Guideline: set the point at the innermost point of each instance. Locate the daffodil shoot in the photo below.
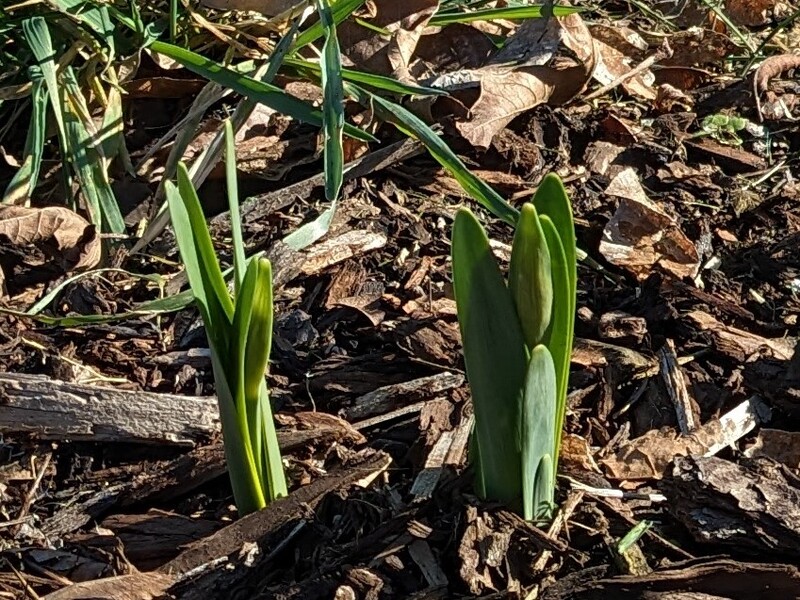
(517, 337)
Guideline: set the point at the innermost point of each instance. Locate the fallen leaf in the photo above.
(750, 13)
(137, 586)
(64, 236)
(776, 106)
(671, 99)
(613, 64)
(576, 454)
(457, 46)
(641, 236)
(545, 61)
(373, 51)
(697, 46)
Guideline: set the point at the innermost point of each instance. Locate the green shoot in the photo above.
(517, 341)
(239, 331)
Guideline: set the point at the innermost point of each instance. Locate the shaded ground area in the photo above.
(682, 164)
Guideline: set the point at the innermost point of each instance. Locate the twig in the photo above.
(31, 495)
(663, 52)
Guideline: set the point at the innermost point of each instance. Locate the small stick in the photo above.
(31, 495)
(663, 52)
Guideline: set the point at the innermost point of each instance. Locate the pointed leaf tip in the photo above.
(530, 279)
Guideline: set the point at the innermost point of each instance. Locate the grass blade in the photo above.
(510, 13)
(269, 95)
(341, 10)
(332, 104)
(333, 121)
(23, 183)
(37, 35)
(84, 147)
(495, 357)
(414, 127)
(231, 181)
(380, 82)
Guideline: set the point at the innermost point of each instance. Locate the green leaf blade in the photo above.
(551, 200)
(413, 126)
(558, 338)
(495, 357)
(269, 95)
(538, 416)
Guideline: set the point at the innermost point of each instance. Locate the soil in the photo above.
(684, 403)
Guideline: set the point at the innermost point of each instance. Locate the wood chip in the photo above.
(386, 398)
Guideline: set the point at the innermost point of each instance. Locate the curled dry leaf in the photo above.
(671, 99)
(775, 108)
(641, 236)
(372, 51)
(61, 234)
(545, 61)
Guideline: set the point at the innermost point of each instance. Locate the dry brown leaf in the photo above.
(697, 46)
(613, 64)
(377, 53)
(772, 67)
(750, 13)
(138, 586)
(682, 78)
(777, 107)
(670, 99)
(624, 39)
(444, 49)
(545, 61)
(576, 454)
(600, 156)
(61, 234)
(641, 236)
